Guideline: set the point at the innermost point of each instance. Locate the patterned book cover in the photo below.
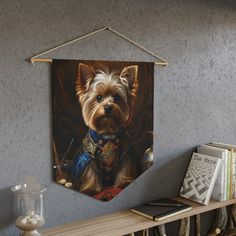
(220, 188)
(200, 178)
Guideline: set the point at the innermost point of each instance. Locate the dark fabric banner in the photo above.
(102, 117)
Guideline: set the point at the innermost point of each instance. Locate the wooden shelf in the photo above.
(125, 222)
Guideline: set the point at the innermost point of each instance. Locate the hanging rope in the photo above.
(36, 59)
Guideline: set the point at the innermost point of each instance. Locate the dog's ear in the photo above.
(85, 75)
(130, 73)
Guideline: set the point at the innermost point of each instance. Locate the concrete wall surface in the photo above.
(195, 99)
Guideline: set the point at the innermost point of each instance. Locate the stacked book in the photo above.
(211, 173)
(161, 209)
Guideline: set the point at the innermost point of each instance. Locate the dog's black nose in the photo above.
(107, 109)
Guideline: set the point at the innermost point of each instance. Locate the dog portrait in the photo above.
(102, 117)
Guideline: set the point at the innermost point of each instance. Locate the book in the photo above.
(231, 180)
(200, 178)
(220, 187)
(161, 209)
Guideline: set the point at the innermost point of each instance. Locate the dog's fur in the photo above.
(107, 100)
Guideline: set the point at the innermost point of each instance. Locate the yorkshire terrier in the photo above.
(107, 101)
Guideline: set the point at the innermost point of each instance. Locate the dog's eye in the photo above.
(116, 98)
(99, 98)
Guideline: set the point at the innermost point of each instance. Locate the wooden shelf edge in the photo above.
(125, 222)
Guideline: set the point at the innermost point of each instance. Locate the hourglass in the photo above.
(29, 214)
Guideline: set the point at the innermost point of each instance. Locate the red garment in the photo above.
(108, 193)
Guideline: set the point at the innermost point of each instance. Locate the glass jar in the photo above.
(28, 204)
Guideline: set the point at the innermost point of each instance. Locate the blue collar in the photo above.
(96, 137)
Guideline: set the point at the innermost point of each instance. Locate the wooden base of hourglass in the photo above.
(31, 233)
(29, 228)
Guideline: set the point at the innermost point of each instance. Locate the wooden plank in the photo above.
(125, 222)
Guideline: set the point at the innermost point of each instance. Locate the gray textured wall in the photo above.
(195, 97)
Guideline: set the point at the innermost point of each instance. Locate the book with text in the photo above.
(220, 187)
(200, 178)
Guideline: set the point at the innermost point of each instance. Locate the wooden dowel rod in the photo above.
(32, 60)
(161, 63)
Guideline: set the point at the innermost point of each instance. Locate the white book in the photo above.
(232, 172)
(223, 145)
(220, 189)
(200, 178)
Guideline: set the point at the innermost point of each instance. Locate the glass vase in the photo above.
(28, 205)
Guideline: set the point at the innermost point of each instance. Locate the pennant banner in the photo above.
(102, 115)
